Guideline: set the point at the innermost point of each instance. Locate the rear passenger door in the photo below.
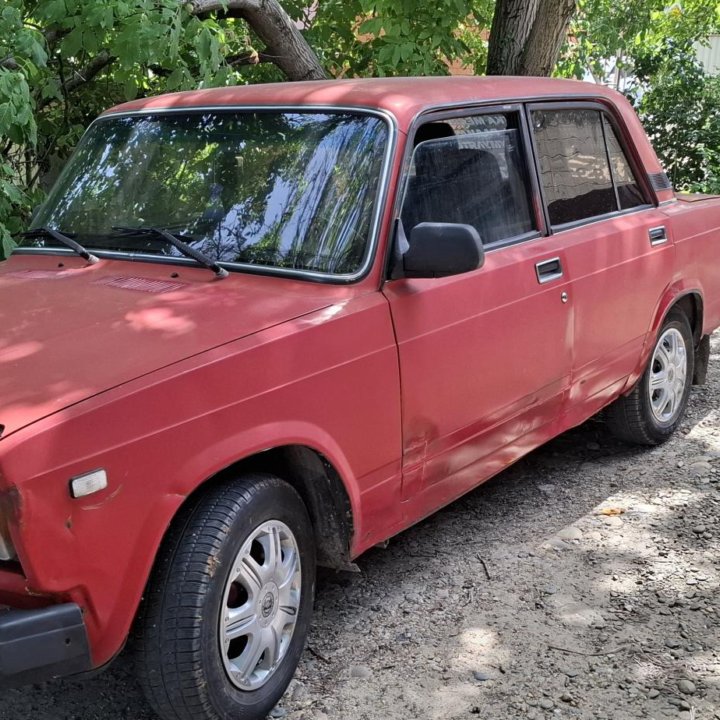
(484, 357)
(617, 248)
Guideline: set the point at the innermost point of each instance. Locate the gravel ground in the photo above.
(581, 583)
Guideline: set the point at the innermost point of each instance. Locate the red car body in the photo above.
(412, 391)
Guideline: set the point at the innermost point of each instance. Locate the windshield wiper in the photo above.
(176, 242)
(63, 240)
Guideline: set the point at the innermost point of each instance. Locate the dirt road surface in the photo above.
(580, 583)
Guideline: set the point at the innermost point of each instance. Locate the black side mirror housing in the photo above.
(442, 249)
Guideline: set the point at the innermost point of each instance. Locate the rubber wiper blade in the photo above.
(176, 242)
(63, 240)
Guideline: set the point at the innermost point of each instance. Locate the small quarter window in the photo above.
(470, 170)
(629, 193)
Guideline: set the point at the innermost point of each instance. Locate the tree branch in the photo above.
(254, 57)
(284, 43)
(80, 77)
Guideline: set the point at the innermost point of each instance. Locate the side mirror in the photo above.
(442, 249)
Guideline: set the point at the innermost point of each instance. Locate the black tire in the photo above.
(631, 418)
(179, 660)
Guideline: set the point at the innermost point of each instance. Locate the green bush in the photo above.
(679, 105)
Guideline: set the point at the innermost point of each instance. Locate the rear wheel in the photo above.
(653, 410)
(227, 611)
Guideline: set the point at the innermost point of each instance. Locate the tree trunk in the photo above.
(511, 26)
(546, 37)
(284, 43)
(526, 36)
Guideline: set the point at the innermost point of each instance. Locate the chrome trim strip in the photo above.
(378, 212)
(599, 218)
(511, 100)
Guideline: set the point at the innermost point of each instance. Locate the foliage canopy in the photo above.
(64, 61)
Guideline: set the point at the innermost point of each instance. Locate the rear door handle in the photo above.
(658, 235)
(548, 270)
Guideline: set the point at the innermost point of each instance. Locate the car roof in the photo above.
(403, 97)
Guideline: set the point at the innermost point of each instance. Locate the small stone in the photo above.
(654, 692)
(700, 468)
(360, 671)
(278, 712)
(481, 676)
(550, 590)
(570, 533)
(546, 703)
(570, 672)
(566, 697)
(612, 521)
(672, 643)
(556, 543)
(699, 529)
(686, 687)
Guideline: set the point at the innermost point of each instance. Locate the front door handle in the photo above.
(658, 235)
(548, 270)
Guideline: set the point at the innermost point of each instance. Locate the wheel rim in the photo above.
(668, 375)
(260, 605)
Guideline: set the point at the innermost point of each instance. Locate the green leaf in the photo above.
(8, 244)
(73, 42)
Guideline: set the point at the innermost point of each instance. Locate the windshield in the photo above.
(278, 189)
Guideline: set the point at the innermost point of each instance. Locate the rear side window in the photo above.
(583, 170)
(470, 170)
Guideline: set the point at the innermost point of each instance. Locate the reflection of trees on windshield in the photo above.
(291, 190)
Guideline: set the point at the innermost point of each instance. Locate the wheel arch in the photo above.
(320, 486)
(685, 296)
(691, 304)
(317, 481)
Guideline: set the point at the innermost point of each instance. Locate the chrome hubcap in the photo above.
(260, 605)
(668, 375)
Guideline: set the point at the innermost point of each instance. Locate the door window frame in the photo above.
(534, 195)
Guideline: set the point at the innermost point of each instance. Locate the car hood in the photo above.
(71, 330)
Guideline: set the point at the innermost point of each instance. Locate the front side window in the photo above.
(470, 170)
(583, 170)
(278, 189)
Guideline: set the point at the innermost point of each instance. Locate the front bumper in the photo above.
(37, 645)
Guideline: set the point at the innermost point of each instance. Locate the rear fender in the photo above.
(685, 288)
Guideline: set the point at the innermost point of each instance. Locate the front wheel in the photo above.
(226, 614)
(653, 410)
